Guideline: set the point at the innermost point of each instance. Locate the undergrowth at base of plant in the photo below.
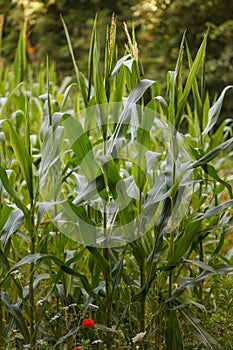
(170, 287)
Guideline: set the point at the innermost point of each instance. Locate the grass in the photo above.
(148, 180)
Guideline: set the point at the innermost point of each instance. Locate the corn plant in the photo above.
(115, 201)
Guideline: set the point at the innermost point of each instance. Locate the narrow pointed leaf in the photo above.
(79, 76)
(22, 156)
(173, 332)
(5, 181)
(18, 317)
(203, 336)
(212, 154)
(119, 64)
(215, 111)
(33, 258)
(190, 80)
(93, 188)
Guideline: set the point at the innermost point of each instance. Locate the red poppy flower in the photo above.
(88, 322)
(77, 348)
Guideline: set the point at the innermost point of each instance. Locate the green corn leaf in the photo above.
(20, 61)
(99, 88)
(4, 213)
(18, 317)
(93, 188)
(195, 90)
(174, 84)
(215, 111)
(139, 172)
(66, 94)
(133, 97)
(163, 103)
(95, 74)
(72, 332)
(139, 90)
(200, 264)
(183, 244)
(5, 182)
(22, 156)
(196, 281)
(143, 131)
(91, 60)
(138, 251)
(101, 261)
(4, 261)
(117, 188)
(209, 169)
(28, 259)
(79, 76)
(118, 93)
(117, 273)
(13, 223)
(216, 210)
(11, 97)
(203, 336)
(190, 80)
(83, 280)
(37, 257)
(212, 154)
(81, 146)
(173, 332)
(119, 64)
(129, 64)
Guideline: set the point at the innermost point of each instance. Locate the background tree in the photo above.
(159, 26)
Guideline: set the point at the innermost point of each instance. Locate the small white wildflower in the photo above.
(97, 341)
(93, 306)
(54, 318)
(138, 337)
(17, 274)
(73, 305)
(40, 302)
(64, 308)
(42, 342)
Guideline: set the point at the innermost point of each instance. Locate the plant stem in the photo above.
(201, 257)
(31, 288)
(1, 323)
(108, 303)
(172, 233)
(142, 272)
(143, 301)
(108, 291)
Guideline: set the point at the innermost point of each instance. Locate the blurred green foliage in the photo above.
(159, 26)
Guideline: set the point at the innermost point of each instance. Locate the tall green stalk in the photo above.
(1, 60)
(172, 233)
(142, 275)
(1, 322)
(108, 301)
(32, 233)
(31, 288)
(107, 276)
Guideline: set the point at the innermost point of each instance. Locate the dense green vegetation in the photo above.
(164, 286)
